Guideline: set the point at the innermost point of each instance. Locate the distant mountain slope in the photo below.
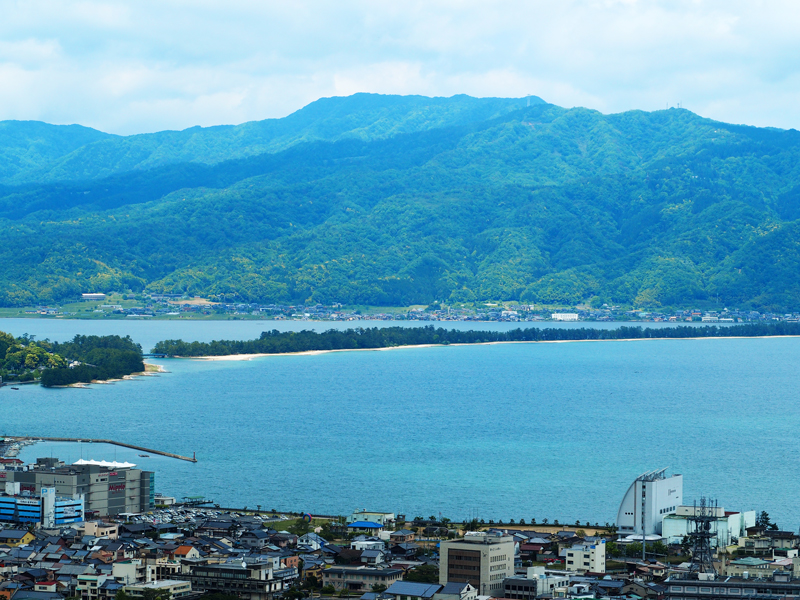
(362, 116)
(386, 200)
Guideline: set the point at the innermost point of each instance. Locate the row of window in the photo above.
(666, 510)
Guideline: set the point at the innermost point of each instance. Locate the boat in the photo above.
(14, 388)
(145, 455)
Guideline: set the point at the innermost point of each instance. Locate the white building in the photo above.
(726, 524)
(383, 518)
(587, 557)
(564, 316)
(651, 497)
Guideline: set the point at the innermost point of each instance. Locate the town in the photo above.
(98, 530)
(99, 305)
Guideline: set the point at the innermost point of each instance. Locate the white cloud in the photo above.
(129, 67)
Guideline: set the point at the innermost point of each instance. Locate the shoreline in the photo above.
(246, 357)
(150, 370)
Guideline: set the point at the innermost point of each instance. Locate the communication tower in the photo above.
(700, 538)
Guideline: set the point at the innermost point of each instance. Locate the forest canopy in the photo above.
(388, 200)
(277, 342)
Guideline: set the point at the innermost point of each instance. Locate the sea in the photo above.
(494, 432)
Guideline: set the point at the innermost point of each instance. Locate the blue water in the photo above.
(553, 431)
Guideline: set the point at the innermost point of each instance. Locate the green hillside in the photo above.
(397, 200)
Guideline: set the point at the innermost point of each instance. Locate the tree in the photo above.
(378, 588)
(423, 574)
(580, 533)
(764, 521)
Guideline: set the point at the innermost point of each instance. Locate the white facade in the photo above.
(725, 526)
(383, 518)
(589, 557)
(651, 497)
(564, 316)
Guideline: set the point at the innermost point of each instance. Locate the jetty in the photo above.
(192, 459)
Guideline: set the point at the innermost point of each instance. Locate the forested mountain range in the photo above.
(394, 200)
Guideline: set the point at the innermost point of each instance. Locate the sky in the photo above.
(141, 66)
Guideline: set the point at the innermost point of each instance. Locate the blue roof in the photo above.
(412, 588)
(365, 525)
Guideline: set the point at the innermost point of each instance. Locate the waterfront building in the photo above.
(45, 509)
(564, 316)
(651, 497)
(383, 518)
(107, 490)
(482, 559)
(725, 525)
(584, 558)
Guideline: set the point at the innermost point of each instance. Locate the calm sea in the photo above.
(553, 431)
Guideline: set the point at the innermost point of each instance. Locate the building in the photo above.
(727, 525)
(564, 316)
(359, 579)
(172, 588)
(93, 296)
(587, 558)
(537, 582)
(257, 581)
(779, 585)
(107, 489)
(45, 509)
(15, 537)
(383, 518)
(482, 559)
(651, 497)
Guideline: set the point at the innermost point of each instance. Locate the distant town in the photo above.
(98, 530)
(96, 305)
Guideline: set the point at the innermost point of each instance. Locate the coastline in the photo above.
(150, 370)
(243, 357)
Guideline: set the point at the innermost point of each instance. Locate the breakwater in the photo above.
(191, 459)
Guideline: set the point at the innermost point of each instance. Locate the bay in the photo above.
(553, 431)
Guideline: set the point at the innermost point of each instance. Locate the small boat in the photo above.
(14, 388)
(145, 455)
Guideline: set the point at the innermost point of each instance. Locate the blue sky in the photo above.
(132, 67)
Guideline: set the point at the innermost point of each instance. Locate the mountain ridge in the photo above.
(408, 201)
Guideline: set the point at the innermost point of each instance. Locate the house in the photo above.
(370, 527)
(15, 537)
(256, 538)
(409, 590)
(383, 518)
(456, 591)
(312, 540)
(359, 579)
(402, 536)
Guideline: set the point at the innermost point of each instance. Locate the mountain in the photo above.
(392, 200)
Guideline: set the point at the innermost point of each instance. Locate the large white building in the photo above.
(651, 497)
(726, 524)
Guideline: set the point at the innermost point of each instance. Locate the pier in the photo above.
(191, 459)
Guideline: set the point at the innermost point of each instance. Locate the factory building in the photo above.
(726, 526)
(107, 490)
(651, 497)
(46, 508)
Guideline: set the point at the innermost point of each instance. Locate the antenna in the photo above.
(702, 562)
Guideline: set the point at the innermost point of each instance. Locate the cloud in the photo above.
(130, 67)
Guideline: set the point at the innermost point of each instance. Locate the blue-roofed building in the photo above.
(412, 590)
